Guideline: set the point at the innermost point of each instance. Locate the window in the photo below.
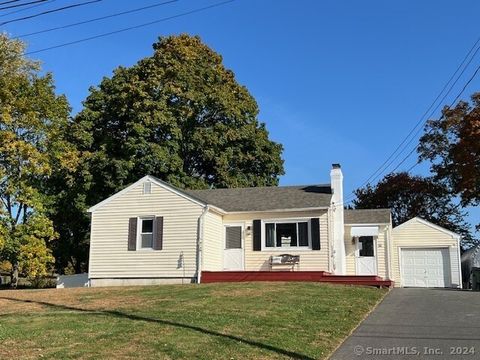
(286, 234)
(147, 188)
(146, 233)
(366, 246)
(233, 237)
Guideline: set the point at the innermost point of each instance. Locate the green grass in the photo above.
(214, 321)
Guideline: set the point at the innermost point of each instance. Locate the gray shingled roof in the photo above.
(367, 216)
(266, 198)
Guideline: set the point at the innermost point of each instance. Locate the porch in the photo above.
(304, 276)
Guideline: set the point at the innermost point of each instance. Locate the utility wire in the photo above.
(472, 77)
(387, 162)
(452, 103)
(27, 8)
(9, 2)
(50, 11)
(24, 4)
(422, 119)
(97, 19)
(130, 28)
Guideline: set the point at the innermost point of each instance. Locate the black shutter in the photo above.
(257, 235)
(315, 231)
(158, 241)
(132, 234)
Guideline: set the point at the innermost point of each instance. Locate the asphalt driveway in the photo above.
(418, 324)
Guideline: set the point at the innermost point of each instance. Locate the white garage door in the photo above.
(426, 267)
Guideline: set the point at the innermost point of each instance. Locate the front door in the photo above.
(233, 252)
(365, 256)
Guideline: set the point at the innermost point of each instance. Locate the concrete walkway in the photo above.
(418, 324)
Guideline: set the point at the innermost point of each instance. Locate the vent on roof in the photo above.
(147, 187)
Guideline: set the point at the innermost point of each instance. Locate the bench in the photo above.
(285, 260)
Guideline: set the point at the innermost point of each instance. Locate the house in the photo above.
(153, 233)
(470, 268)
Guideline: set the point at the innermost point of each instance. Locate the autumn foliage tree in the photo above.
(452, 144)
(32, 121)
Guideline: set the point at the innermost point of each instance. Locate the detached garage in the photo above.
(425, 255)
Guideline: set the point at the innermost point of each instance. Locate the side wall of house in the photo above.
(110, 261)
(381, 251)
(419, 235)
(309, 259)
(213, 242)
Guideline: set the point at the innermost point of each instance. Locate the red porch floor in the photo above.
(312, 276)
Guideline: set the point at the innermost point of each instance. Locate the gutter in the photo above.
(201, 227)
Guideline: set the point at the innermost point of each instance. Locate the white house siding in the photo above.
(309, 259)
(213, 242)
(416, 234)
(381, 251)
(110, 261)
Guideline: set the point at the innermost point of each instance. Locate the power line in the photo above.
(130, 28)
(9, 2)
(387, 162)
(97, 19)
(422, 119)
(27, 8)
(19, 5)
(452, 103)
(475, 73)
(50, 11)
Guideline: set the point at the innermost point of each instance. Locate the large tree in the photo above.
(179, 115)
(408, 196)
(32, 121)
(452, 144)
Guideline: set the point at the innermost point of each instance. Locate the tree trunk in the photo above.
(14, 276)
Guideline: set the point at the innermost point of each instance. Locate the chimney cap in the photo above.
(336, 166)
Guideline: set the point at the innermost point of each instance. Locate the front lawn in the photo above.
(210, 321)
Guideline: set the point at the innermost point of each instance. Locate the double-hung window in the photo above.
(287, 234)
(146, 233)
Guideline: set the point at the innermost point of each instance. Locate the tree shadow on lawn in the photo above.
(118, 314)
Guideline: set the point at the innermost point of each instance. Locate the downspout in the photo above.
(90, 251)
(460, 275)
(201, 227)
(387, 249)
(330, 240)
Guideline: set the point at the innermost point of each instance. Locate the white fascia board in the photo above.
(117, 194)
(366, 224)
(143, 179)
(432, 225)
(278, 210)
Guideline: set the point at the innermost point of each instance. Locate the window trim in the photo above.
(286, 221)
(139, 232)
(232, 224)
(357, 250)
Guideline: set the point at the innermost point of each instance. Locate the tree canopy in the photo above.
(32, 121)
(408, 196)
(179, 115)
(452, 144)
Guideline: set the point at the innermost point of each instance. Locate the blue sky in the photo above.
(336, 81)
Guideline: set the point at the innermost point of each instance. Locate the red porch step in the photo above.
(312, 276)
